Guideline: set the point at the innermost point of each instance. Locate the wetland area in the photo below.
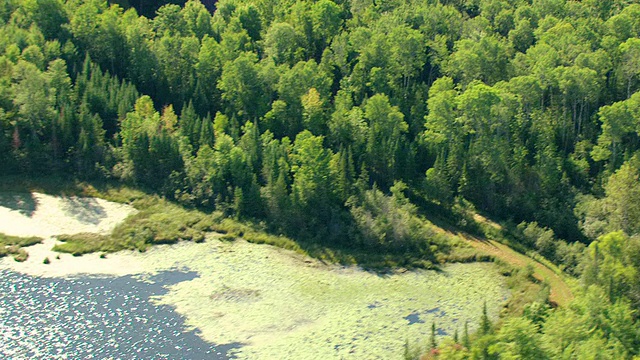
(216, 299)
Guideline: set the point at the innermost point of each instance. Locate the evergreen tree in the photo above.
(432, 339)
(485, 323)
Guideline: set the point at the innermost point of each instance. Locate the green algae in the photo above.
(280, 304)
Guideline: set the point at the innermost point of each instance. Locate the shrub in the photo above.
(19, 241)
(19, 254)
(391, 223)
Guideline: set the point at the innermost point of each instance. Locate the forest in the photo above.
(348, 122)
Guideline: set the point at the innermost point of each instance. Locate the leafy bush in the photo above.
(391, 223)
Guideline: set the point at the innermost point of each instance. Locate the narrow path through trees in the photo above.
(560, 291)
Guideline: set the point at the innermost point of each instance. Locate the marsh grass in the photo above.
(8, 240)
(159, 221)
(13, 245)
(85, 243)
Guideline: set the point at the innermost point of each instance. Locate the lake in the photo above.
(92, 317)
(255, 301)
(216, 299)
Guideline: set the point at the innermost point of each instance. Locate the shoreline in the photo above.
(278, 303)
(46, 216)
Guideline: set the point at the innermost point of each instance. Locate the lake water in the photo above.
(92, 317)
(246, 301)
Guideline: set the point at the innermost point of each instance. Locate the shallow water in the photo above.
(92, 317)
(262, 301)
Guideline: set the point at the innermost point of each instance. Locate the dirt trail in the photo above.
(560, 291)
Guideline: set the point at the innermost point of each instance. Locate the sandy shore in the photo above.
(273, 301)
(35, 214)
(42, 215)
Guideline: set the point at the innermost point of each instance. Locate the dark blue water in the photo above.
(414, 318)
(95, 318)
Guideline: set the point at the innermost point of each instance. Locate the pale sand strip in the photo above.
(275, 302)
(42, 215)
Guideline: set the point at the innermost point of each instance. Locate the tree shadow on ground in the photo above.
(84, 210)
(25, 203)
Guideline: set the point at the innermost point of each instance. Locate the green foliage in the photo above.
(241, 87)
(526, 111)
(13, 245)
(85, 243)
(518, 339)
(410, 352)
(391, 223)
(512, 93)
(157, 222)
(432, 340)
(311, 187)
(610, 263)
(543, 240)
(7, 240)
(618, 209)
(485, 323)
(386, 129)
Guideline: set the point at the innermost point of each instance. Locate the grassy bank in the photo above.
(13, 245)
(160, 221)
(157, 222)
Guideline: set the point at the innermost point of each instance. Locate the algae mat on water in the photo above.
(280, 305)
(276, 303)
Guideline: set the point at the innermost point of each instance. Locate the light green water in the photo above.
(277, 303)
(283, 306)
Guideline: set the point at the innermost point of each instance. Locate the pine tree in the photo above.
(432, 341)
(206, 132)
(485, 323)
(190, 125)
(465, 336)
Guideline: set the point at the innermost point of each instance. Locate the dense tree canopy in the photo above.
(333, 120)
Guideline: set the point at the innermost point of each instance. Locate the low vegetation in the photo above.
(13, 245)
(157, 221)
(7, 240)
(160, 221)
(304, 118)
